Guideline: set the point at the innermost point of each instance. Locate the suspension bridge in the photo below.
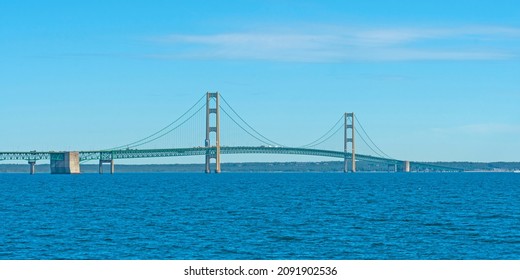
(170, 141)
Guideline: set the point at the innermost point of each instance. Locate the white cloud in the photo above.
(480, 129)
(490, 128)
(336, 44)
(389, 36)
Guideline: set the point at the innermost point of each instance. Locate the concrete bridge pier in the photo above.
(32, 163)
(65, 163)
(406, 166)
(110, 161)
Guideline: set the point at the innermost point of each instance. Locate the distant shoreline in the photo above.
(328, 166)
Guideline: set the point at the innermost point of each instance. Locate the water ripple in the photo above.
(260, 216)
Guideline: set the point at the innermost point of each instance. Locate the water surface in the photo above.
(260, 216)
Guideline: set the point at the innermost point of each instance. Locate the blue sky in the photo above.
(429, 80)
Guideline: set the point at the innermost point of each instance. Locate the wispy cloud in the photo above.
(481, 129)
(490, 128)
(336, 44)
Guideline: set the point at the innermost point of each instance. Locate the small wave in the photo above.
(285, 238)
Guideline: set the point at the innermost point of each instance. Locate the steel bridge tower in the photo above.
(212, 98)
(349, 126)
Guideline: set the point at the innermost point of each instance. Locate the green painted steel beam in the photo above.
(200, 151)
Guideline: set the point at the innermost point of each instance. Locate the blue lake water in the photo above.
(260, 216)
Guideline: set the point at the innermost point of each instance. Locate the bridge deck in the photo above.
(200, 151)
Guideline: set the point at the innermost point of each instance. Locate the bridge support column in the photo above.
(65, 163)
(32, 163)
(110, 161)
(349, 138)
(392, 167)
(215, 151)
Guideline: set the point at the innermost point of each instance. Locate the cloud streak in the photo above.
(338, 44)
(481, 129)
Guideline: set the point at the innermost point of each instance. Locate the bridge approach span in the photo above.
(194, 151)
(111, 155)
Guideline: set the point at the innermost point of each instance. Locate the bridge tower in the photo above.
(212, 125)
(349, 138)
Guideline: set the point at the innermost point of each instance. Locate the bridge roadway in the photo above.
(201, 151)
(195, 151)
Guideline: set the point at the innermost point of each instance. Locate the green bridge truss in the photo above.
(201, 151)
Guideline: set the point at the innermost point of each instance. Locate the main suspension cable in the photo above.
(169, 131)
(360, 125)
(225, 112)
(138, 142)
(325, 140)
(313, 143)
(262, 136)
(368, 145)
